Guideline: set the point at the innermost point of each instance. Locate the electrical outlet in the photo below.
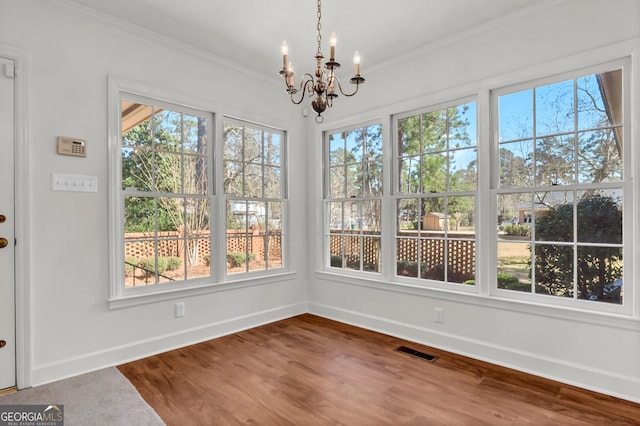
(180, 309)
(438, 315)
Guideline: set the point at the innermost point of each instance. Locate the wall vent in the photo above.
(416, 353)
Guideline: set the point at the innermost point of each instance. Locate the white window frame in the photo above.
(121, 297)
(397, 195)
(283, 200)
(486, 291)
(627, 186)
(327, 200)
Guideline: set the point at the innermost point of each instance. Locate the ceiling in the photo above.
(249, 33)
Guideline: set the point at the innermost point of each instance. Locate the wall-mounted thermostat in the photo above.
(72, 146)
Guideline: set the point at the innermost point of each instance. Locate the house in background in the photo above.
(67, 66)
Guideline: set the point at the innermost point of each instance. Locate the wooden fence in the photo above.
(461, 251)
(141, 245)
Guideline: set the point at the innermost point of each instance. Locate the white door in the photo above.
(7, 220)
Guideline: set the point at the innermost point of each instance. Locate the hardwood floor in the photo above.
(309, 370)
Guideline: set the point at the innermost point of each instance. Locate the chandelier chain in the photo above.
(319, 28)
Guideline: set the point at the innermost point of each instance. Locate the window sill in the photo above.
(143, 298)
(598, 318)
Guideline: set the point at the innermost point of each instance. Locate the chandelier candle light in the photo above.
(323, 84)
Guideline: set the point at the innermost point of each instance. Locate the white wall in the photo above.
(599, 352)
(69, 56)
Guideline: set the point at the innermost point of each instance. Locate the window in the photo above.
(166, 192)
(561, 188)
(254, 189)
(435, 186)
(353, 197)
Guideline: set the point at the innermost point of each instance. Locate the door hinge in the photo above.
(9, 70)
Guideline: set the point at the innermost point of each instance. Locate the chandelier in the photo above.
(323, 83)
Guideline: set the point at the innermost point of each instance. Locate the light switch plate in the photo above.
(74, 183)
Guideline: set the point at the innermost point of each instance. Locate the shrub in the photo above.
(517, 230)
(505, 280)
(129, 265)
(207, 259)
(173, 263)
(401, 267)
(509, 282)
(238, 258)
(148, 263)
(336, 261)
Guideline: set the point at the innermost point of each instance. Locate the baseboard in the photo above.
(601, 381)
(118, 355)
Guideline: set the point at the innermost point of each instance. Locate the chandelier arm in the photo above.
(302, 90)
(340, 87)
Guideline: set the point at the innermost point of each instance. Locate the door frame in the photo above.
(22, 269)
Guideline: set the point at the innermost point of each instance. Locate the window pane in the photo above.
(600, 100)
(196, 216)
(408, 214)
(372, 216)
(233, 179)
(515, 216)
(252, 146)
(272, 182)
(516, 164)
(434, 131)
(600, 156)
(352, 215)
(555, 111)
(371, 253)
(198, 254)
(253, 179)
(355, 146)
(374, 142)
(514, 266)
(352, 252)
(336, 149)
(139, 214)
(195, 134)
(167, 173)
(554, 216)
(409, 136)
(600, 274)
(134, 115)
(461, 217)
(335, 216)
(272, 142)
(515, 112)
(461, 262)
(554, 270)
(462, 126)
(354, 180)
(433, 216)
(432, 259)
(555, 160)
(407, 257)
(372, 179)
(233, 142)
(600, 217)
(337, 182)
(463, 170)
(434, 173)
(195, 174)
(409, 179)
(167, 131)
